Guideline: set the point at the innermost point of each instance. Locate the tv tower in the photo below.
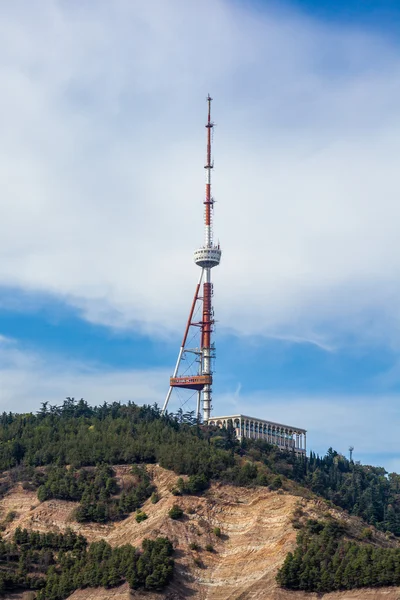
(206, 257)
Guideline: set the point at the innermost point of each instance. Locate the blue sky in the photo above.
(102, 184)
(373, 13)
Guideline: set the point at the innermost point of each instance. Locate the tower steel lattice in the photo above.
(206, 257)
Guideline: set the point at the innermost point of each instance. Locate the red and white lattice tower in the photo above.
(206, 257)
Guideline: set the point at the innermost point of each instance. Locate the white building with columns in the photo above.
(285, 437)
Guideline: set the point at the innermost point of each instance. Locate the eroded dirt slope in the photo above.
(256, 528)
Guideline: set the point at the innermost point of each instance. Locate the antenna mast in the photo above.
(206, 257)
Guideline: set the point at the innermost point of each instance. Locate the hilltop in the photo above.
(244, 506)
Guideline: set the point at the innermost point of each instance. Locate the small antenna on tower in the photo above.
(351, 448)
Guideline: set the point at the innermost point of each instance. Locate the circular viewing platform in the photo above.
(207, 257)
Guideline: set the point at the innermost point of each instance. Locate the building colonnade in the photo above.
(284, 436)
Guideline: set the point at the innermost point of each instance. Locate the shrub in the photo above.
(314, 526)
(209, 548)
(43, 493)
(141, 516)
(262, 479)
(198, 562)
(335, 528)
(298, 512)
(366, 533)
(217, 531)
(176, 492)
(175, 512)
(180, 484)
(194, 546)
(28, 486)
(196, 484)
(203, 523)
(11, 515)
(390, 535)
(276, 483)
(154, 498)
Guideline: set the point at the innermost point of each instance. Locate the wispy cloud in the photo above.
(101, 169)
(367, 422)
(28, 378)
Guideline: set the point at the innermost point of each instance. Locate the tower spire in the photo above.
(208, 166)
(206, 257)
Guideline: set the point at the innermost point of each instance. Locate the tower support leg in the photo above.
(164, 408)
(198, 415)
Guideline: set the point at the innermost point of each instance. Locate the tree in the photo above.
(175, 512)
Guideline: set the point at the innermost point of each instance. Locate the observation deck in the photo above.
(193, 382)
(206, 258)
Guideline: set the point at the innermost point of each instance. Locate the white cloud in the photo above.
(28, 378)
(101, 178)
(367, 422)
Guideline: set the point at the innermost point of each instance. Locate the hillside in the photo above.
(85, 495)
(257, 533)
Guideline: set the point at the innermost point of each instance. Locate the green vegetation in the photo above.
(78, 435)
(364, 491)
(74, 484)
(324, 561)
(194, 546)
(276, 483)
(196, 484)
(58, 564)
(69, 451)
(198, 562)
(140, 516)
(10, 516)
(175, 512)
(94, 489)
